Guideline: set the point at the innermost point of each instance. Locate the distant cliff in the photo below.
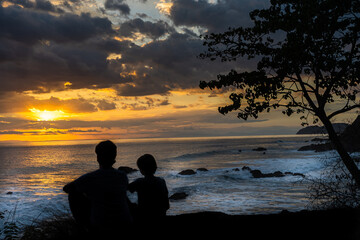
(339, 128)
(350, 137)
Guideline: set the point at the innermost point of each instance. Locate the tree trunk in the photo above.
(344, 155)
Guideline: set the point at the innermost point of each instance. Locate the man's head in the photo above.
(147, 164)
(106, 153)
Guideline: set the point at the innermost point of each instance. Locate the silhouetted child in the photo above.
(153, 201)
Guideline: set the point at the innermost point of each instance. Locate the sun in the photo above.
(45, 115)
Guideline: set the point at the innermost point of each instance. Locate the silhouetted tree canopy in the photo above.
(308, 56)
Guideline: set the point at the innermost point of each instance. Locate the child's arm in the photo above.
(166, 203)
(132, 187)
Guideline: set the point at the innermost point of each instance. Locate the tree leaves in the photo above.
(308, 57)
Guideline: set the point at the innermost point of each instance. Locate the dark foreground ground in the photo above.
(331, 224)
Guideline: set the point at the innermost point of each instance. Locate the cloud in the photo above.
(205, 118)
(167, 64)
(119, 5)
(105, 105)
(30, 27)
(215, 17)
(153, 30)
(145, 104)
(15, 102)
(179, 106)
(40, 51)
(48, 132)
(43, 5)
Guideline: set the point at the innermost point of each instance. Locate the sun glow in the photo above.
(164, 6)
(45, 115)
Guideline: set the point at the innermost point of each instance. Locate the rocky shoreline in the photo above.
(349, 136)
(317, 224)
(256, 173)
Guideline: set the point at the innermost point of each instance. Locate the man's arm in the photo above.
(70, 187)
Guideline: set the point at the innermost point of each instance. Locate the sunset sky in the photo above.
(118, 69)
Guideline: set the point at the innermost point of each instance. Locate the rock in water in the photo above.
(256, 173)
(259, 149)
(178, 196)
(127, 170)
(202, 170)
(187, 172)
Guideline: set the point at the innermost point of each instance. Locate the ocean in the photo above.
(32, 177)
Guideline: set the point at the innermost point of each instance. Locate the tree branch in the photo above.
(345, 109)
(306, 94)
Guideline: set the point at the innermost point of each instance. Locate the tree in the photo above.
(308, 57)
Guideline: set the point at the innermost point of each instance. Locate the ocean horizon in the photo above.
(119, 140)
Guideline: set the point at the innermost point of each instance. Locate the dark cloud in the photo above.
(30, 27)
(213, 16)
(145, 104)
(47, 6)
(42, 5)
(142, 15)
(150, 29)
(180, 106)
(40, 51)
(106, 105)
(166, 64)
(119, 5)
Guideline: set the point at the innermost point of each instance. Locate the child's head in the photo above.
(147, 164)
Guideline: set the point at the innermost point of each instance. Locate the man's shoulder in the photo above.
(100, 173)
(89, 174)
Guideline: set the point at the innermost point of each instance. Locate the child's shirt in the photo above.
(152, 194)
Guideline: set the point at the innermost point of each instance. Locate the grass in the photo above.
(55, 228)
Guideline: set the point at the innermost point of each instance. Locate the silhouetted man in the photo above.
(98, 199)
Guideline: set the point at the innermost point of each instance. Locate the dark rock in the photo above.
(319, 224)
(299, 174)
(285, 211)
(317, 147)
(178, 196)
(127, 170)
(246, 168)
(187, 172)
(240, 150)
(259, 149)
(236, 169)
(278, 174)
(295, 174)
(202, 170)
(319, 139)
(9, 193)
(257, 173)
